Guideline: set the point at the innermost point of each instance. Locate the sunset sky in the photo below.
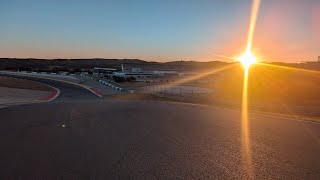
(166, 30)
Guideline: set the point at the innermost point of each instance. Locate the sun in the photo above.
(247, 59)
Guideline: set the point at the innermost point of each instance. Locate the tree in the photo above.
(119, 79)
(131, 79)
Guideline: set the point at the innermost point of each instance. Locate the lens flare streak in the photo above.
(254, 15)
(248, 59)
(199, 76)
(246, 154)
(289, 68)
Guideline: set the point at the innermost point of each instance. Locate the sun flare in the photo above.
(247, 59)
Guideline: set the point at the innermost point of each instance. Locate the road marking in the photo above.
(53, 94)
(49, 98)
(91, 89)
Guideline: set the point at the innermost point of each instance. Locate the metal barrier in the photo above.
(104, 83)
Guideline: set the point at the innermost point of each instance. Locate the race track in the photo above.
(79, 136)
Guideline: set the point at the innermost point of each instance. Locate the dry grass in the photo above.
(22, 84)
(288, 92)
(273, 89)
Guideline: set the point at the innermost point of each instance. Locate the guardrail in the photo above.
(104, 83)
(110, 85)
(188, 91)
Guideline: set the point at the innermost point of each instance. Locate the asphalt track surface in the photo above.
(104, 139)
(68, 92)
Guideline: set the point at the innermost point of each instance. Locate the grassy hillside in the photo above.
(272, 88)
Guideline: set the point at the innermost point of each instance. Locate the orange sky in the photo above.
(285, 31)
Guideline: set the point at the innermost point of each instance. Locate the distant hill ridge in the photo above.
(35, 64)
(87, 64)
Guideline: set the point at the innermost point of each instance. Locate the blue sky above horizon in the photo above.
(157, 30)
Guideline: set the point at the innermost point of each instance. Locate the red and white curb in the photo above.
(95, 91)
(91, 89)
(54, 94)
(51, 98)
